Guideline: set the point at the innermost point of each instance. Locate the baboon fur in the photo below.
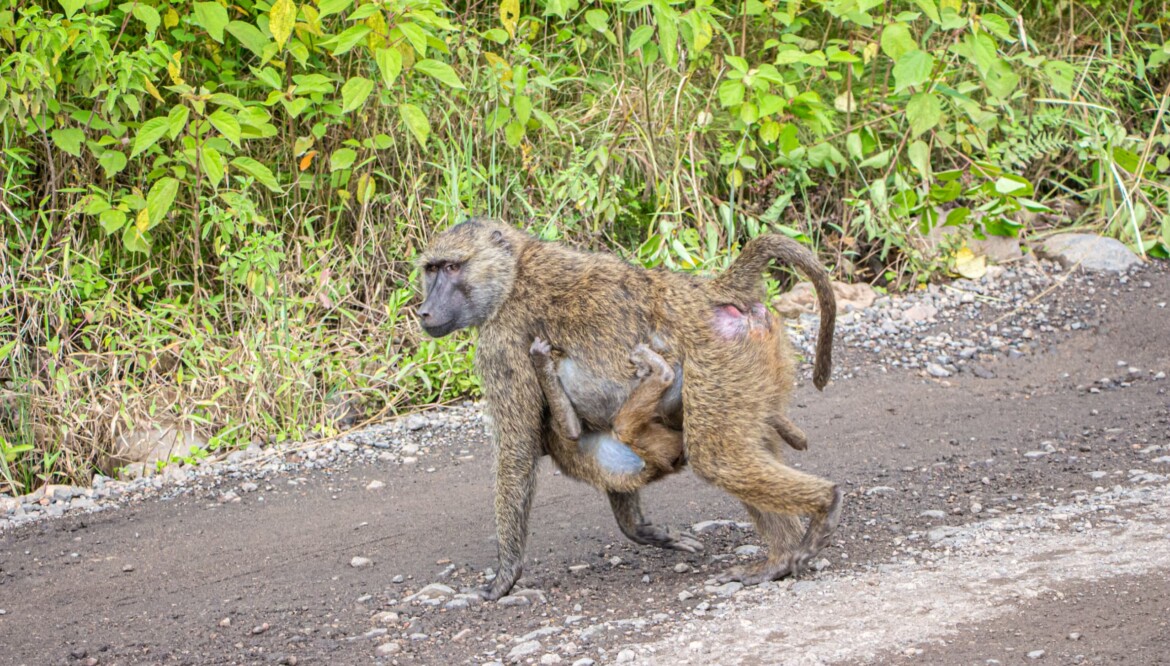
(515, 289)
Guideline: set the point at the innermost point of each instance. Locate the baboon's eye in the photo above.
(452, 267)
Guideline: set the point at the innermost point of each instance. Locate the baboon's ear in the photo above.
(499, 240)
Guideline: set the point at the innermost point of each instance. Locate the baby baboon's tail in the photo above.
(744, 279)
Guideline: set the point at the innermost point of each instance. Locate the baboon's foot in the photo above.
(540, 347)
(503, 583)
(761, 572)
(662, 537)
(820, 530)
(649, 363)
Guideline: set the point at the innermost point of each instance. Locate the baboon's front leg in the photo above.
(627, 509)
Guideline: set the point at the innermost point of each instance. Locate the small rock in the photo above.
(127, 568)
(1093, 253)
(260, 628)
(709, 525)
(578, 568)
(457, 604)
(1036, 654)
(747, 551)
(375, 485)
(416, 422)
(226, 622)
(1074, 636)
(626, 656)
(398, 578)
(524, 649)
(584, 661)
(934, 514)
(390, 648)
(682, 567)
(879, 490)
(359, 562)
(347, 447)
(549, 659)
(726, 590)
(936, 370)
(386, 617)
(229, 497)
(1035, 454)
(684, 595)
(1096, 476)
(248, 487)
(919, 312)
(512, 600)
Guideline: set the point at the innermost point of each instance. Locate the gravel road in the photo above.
(1005, 445)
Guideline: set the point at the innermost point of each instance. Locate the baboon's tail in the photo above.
(745, 279)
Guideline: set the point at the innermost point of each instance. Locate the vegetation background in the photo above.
(209, 209)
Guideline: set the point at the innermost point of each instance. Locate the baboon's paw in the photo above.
(661, 537)
(756, 573)
(648, 362)
(540, 347)
(502, 584)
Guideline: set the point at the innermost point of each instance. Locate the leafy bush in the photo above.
(209, 209)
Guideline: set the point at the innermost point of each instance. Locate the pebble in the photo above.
(879, 490)
(682, 567)
(1036, 654)
(512, 600)
(260, 628)
(359, 562)
(726, 589)
(127, 568)
(626, 656)
(1074, 636)
(524, 649)
(549, 658)
(934, 514)
(584, 661)
(743, 551)
(936, 370)
(385, 649)
(375, 485)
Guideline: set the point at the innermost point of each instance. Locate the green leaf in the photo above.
(227, 125)
(929, 8)
(919, 154)
(513, 133)
(639, 37)
(68, 140)
(159, 200)
(1001, 80)
(390, 64)
(250, 36)
(730, 92)
(561, 8)
(416, 121)
(136, 240)
(441, 71)
(71, 7)
(416, 36)
(281, 18)
(112, 162)
(112, 220)
(342, 158)
(258, 171)
(212, 163)
(912, 69)
(597, 19)
(354, 93)
(145, 13)
(212, 17)
(1012, 185)
(924, 111)
(522, 107)
(897, 42)
(177, 121)
(350, 38)
(1061, 75)
(666, 18)
(149, 134)
(330, 7)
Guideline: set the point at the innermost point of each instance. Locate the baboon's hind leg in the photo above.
(749, 471)
(789, 431)
(627, 509)
(782, 533)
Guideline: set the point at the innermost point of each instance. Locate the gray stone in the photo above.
(1036, 654)
(934, 514)
(919, 312)
(1092, 252)
(937, 370)
(879, 490)
(711, 525)
(432, 591)
(626, 656)
(416, 422)
(360, 562)
(743, 551)
(725, 590)
(1097, 476)
(375, 485)
(584, 661)
(386, 649)
(524, 649)
(512, 600)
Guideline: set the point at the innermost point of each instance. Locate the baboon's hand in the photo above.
(662, 537)
(540, 347)
(502, 584)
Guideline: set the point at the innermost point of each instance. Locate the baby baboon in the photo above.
(514, 288)
(640, 447)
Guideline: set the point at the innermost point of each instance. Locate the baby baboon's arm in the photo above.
(564, 418)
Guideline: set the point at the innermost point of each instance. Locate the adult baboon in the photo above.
(516, 288)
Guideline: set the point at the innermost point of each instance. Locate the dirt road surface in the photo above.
(1016, 517)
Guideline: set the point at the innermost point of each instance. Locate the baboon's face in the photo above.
(467, 274)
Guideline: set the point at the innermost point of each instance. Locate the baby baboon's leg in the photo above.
(627, 509)
(635, 423)
(749, 471)
(789, 431)
(564, 418)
